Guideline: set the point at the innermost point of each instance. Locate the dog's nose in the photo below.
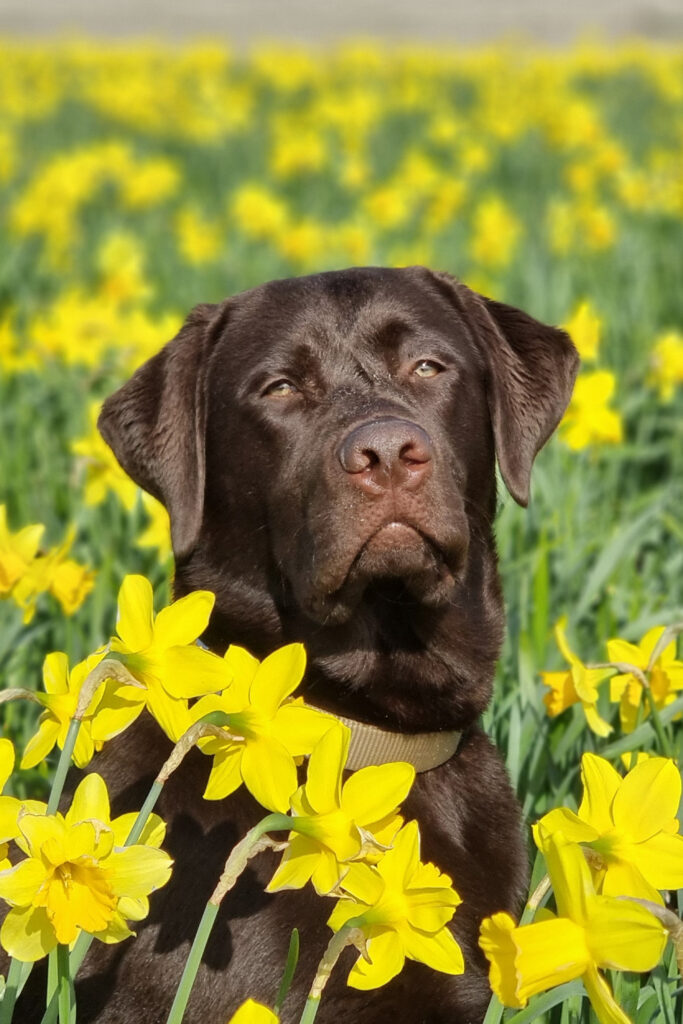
(385, 453)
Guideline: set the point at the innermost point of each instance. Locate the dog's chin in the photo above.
(397, 564)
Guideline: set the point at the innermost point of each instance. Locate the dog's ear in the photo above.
(156, 423)
(531, 369)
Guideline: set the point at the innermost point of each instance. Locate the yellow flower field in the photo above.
(137, 180)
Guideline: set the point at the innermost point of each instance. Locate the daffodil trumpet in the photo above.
(672, 923)
(351, 934)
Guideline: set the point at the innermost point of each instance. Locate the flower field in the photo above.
(137, 180)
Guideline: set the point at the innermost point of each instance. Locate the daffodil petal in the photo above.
(622, 878)
(660, 860)
(624, 935)
(397, 865)
(386, 953)
(118, 708)
(152, 834)
(569, 824)
(439, 951)
(193, 672)
(27, 934)
(225, 775)
(601, 783)
(602, 1000)
(6, 761)
(269, 773)
(242, 666)
(363, 883)
(325, 767)
(20, 884)
(372, 793)
(84, 748)
(299, 728)
(622, 651)
(138, 870)
(56, 673)
(171, 714)
(253, 1013)
(297, 865)
(135, 613)
(569, 875)
(90, 801)
(326, 873)
(184, 620)
(596, 723)
(41, 743)
(647, 799)
(277, 676)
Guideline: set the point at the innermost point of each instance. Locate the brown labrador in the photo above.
(326, 449)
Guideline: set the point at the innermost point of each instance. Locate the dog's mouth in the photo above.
(397, 558)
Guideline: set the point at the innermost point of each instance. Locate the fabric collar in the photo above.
(371, 745)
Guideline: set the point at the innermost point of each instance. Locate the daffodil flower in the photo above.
(403, 907)
(589, 420)
(336, 824)
(161, 652)
(77, 878)
(266, 730)
(251, 1012)
(103, 474)
(577, 684)
(665, 676)
(10, 806)
(112, 709)
(67, 580)
(17, 551)
(590, 933)
(628, 824)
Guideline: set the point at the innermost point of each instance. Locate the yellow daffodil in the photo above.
(628, 824)
(266, 730)
(17, 551)
(403, 908)
(103, 474)
(667, 363)
(253, 1013)
(589, 420)
(161, 652)
(578, 684)
(495, 233)
(67, 580)
(665, 676)
(336, 824)
(157, 533)
(591, 932)
(75, 878)
(584, 328)
(112, 709)
(10, 806)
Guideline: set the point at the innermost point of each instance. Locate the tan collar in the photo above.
(372, 745)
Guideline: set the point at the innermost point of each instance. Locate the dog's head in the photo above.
(325, 447)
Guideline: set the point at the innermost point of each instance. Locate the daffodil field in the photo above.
(137, 180)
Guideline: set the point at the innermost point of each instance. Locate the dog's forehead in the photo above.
(337, 311)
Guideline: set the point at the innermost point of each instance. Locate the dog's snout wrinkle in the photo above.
(386, 453)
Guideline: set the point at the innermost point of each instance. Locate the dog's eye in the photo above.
(427, 368)
(280, 389)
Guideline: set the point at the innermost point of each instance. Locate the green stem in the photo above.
(11, 991)
(145, 811)
(664, 744)
(63, 766)
(234, 866)
(64, 984)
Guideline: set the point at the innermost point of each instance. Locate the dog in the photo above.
(326, 448)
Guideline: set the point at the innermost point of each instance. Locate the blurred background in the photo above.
(156, 155)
